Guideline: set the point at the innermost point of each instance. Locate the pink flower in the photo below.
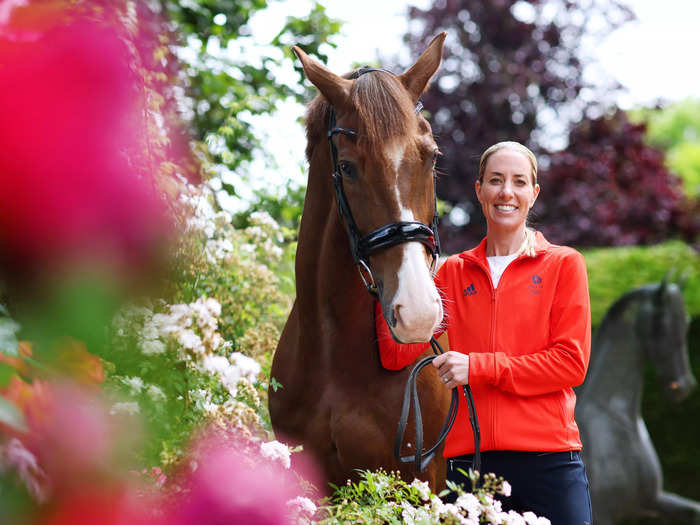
(29, 471)
(225, 488)
(75, 184)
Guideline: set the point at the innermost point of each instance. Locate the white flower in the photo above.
(188, 339)
(155, 393)
(128, 407)
(135, 384)
(230, 378)
(213, 306)
(437, 507)
(302, 506)
(423, 489)
(215, 364)
(150, 330)
(412, 515)
(513, 518)
(452, 511)
(275, 251)
(506, 489)
(470, 503)
(222, 218)
(276, 451)
(263, 218)
(248, 367)
(152, 346)
(256, 232)
(532, 519)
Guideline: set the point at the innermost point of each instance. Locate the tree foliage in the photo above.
(510, 70)
(610, 188)
(675, 128)
(228, 75)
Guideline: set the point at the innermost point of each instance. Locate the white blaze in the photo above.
(420, 308)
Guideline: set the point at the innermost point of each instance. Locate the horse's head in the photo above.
(663, 325)
(384, 168)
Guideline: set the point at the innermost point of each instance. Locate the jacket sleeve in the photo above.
(393, 355)
(564, 363)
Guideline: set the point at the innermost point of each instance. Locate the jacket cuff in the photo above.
(482, 369)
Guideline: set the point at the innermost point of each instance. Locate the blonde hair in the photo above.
(527, 247)
(508, 144)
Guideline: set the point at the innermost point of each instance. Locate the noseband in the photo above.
(362, 247)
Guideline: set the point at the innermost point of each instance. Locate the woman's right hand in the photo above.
(453, 368)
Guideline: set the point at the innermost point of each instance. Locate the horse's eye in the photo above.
(347, 169)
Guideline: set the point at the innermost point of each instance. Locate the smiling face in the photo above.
(507, 190)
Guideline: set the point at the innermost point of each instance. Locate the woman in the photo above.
(518, 324)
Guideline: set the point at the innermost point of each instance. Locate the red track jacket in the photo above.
(528, 341)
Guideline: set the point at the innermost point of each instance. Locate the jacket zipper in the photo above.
(494, 304)
(493, 353)
(494, 292)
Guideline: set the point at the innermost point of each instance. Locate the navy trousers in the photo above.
(550, 484)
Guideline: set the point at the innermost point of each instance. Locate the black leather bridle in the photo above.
(362, 247)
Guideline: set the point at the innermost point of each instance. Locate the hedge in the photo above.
(614, 271)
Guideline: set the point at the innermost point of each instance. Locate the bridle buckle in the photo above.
(364, 269)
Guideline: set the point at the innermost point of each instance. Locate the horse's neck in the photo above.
(329, 292)
(615, 374)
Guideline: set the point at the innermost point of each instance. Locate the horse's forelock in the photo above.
(384, 108)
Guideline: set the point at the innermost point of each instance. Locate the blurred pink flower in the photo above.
(225, 489)
(24, 463)
(104, 505)
(229, 482)
(75, 184)
(75, 440)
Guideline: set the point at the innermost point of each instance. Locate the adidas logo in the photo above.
(470, 290)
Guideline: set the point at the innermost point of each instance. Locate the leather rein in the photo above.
(362, 247)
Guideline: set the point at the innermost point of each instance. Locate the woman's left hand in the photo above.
(453, 368)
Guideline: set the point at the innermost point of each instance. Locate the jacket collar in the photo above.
(478, 254)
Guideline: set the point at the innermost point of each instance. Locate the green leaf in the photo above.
(11, 416)
(276, 385)
(228, 188)
(6, 373)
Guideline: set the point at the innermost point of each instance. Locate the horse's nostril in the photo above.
(394, 316)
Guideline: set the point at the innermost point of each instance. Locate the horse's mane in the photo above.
(383, 105)
(621, 304)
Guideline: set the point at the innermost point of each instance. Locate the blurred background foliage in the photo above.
(624, 188)
(675, 128)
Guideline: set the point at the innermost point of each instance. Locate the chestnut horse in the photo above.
(336, 398)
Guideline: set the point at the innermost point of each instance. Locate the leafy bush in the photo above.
(615, 271)
(676, 129)
(609, 188)
(385, 498)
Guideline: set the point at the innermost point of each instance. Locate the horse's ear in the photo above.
(416, 79)
(683, 279)
(661, 291)
(335, 88)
